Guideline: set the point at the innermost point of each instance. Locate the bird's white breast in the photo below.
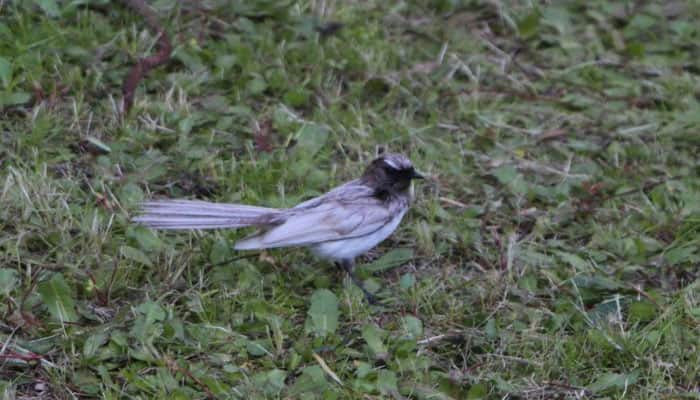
(350, 248)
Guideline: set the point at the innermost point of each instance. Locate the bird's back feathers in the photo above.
(346, 212)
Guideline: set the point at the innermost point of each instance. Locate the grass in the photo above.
(552, 253)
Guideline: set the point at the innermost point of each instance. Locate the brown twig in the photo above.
(173, 366)
(13, 355)
(263, 136)
(644, 294)
(145, 64)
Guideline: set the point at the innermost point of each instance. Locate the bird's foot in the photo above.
(348, 267)
(371, 299)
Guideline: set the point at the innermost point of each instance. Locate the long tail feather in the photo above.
(192, 214)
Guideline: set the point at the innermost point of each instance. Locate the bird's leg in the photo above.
(348, 266)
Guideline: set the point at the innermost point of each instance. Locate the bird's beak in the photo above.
(417, 175)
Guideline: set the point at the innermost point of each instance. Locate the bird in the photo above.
(339, 225)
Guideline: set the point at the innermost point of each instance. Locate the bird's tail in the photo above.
(192, 214)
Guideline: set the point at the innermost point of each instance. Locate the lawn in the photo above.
(552, 252)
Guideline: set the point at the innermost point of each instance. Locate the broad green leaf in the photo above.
(131, 194)
(147, 323)
(297, 97)
(559, 17)
(50, 7)
(271, 382)
(324, 312)
(186, 124)
(635, 49)
(146, 239)
(505, 174)
(527, 27)
(680, 255)
(58, 298)
(152, 311)
(372, 335)
(220, 252)
(93, 343)
(491, 329)
(505, 385)
(692, 116)
(276, 378)
(642, 310)
(189, 58)
(612, 381)
(257, 85)
(575, 261)
(256, 349)
(226, 61)
(133, 254)
(8, 280)
(408, 280)
(601, 340)
(639, 23)
(387, 382)
(412, 326)
(392, 259)
(216, 104)
(88, 382)
(5, 71)
(312, 379)
(477, 391)
(508, 175)
(310, 139)
(363, 369)
(424, 392)
(14, 98)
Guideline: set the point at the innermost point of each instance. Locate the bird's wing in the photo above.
(329, 220)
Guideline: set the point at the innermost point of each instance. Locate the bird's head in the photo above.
(390, 173)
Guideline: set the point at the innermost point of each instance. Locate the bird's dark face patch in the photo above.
(400, 179)
(389, 174)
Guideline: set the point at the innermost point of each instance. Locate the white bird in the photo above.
(339, 225)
